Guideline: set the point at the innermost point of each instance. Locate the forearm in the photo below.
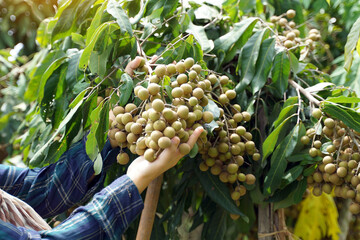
(107, 216)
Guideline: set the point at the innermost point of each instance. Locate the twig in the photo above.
(304, 92)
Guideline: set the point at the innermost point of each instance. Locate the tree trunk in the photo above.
(344, 218)
(265, 222)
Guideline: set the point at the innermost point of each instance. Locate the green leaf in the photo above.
(294, 194)
(213, 108)
(85, 56)
(54, 65)
(263, 64)
(270, 142)
(209, 127)
(287, 110)
(126, 89)
(218, 192)
(73, 71)
(95, 23)
(115, 9)
(4, 120)
(292, 174)
(92, 147)
(98, 164)
(343, 99)
(347, 115)
(352, 40)
(249, 56)
(216, 227)
(200, 35)
(37, 74)
(40, 154)
(225, 42)
(43, 35)
(66, 20)
(102, 129)
(281, 72)
(194, 151)
(278, 161)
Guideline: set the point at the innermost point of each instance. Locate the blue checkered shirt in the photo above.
(55, 188)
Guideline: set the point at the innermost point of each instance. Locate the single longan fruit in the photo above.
(316, 113)
(149, 155)
(305, 140)
(198, 93)
(169, 132)
(180, 67)
(283, 22)
(154, 79)
(212, 78)
(153, 88)
(250, 179)
(130, 107)
(118, 109)
(235, 195)
(329, 122)
(126, 117)
(231, 94)
(207, 116)
(223, 99)
(120, 137)
(317, 191)
(183, 112)
(192, 74)
(289, 44)
(160, 70)
(274, 19)
(143, 94)
(224, 80)
(177, 92)
(189, 62)
(232, 168)
(317, 144)
(341, 172)
(203, 167)
(181, 78)
(290, 36)
(171, 69)
(184, 148)
(354, 208)
(246, 116)
(330, 168)
(197, 68)
(313, 152)
(136, 128)
(164, 142)
(158, 105)
(290, 13)
(240, 130)
(256, 156)
(123, 158)
(241, 177)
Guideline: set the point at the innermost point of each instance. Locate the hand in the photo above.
(142, 172)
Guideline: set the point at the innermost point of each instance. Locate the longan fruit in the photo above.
(180, 67)
(160, 70)
(189, 62)
(290, 13)
(118, 109)
(149, 155)
(164, 142)
(184, 148)
(122, 158)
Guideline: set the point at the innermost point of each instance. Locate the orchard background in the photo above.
(296, 72)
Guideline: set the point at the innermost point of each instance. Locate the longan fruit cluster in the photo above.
(337, 145)
(289, 36)
(177, 109)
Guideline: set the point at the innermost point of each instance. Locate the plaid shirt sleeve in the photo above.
(55, 188)
(105, 217)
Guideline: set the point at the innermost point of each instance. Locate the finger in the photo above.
(194, 137)
(154, 59)
(134, 64)
(175, 141)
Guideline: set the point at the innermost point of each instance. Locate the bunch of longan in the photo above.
(175, 100)
(338, 147)
(290, 35)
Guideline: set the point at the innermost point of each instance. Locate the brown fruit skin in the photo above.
(250, 179)
(184, 148)
(354, 208)
(207, 117)
(123, 158)
(149, 155)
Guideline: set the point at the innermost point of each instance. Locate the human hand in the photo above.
(142, 172)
